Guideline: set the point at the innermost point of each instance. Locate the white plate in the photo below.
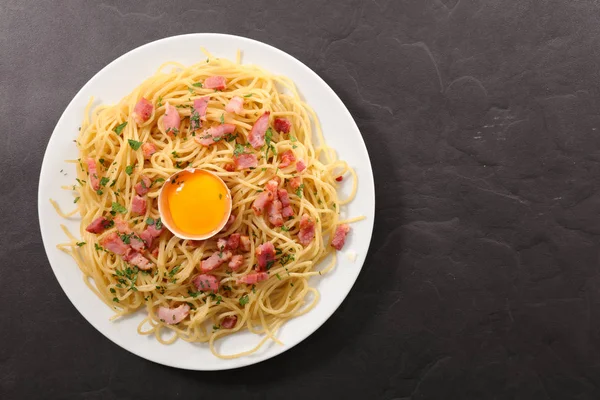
(118, 79)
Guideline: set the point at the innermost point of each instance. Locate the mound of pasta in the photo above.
(251, 129)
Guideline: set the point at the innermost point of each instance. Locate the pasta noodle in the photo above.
(109, 135)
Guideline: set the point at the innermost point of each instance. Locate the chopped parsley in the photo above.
(126, 238)
(244, 300)
(98, 247)
(278, 277)
(239, 150)
(268, 145)
(80, 181)
(300, 190)
(285, 228)
(249, 95)
(150, 221)
(119, 128)
(285, 259)
(129, 169)
(216, 327)
(76, 199)
(99, 192)
(134, 144)
(222, 119)
(112, 290)
(197, 84)
(159, 101)
(104, 181)
(79, 244)
(158, 224)
(175, 154)
(115, 300)
(158, 180)
(116, 207)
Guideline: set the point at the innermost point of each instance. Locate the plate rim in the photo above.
(242, 361)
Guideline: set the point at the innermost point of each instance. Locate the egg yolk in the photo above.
(197, 201)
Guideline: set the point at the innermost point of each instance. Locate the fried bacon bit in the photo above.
(214, 134)
(266, 256)
(233, 242)
(307, 230)
(171, 316)
(236, 262)
(142, 111)
(256, 137)
(253, 278)
(198, 113)
(287, 158)
(229, 321)
(282, 125)
(206, 282)
(215, 82)
(143, 186)
(263, 199)
(243, 161)
(93, 171)
(98, 225)
(215, 260)
(136, 258)
(229, 167)
(295, 182)
(112, 242)
(339, 178)
(235, 105)
(245, 243)
(287, 210)
(300, 165)
(171, 120)
(339, 237)
(148, 149)
(138, 205)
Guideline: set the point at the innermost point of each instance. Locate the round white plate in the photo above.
(118, 79)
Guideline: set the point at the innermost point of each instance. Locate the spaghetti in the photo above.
(110, 136)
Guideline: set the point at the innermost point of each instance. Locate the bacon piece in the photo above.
(253, 278)
(236, 262)
(138, 205)
(150, 233)
(300, 165)
(122, 225)
(93, 172)
(221, 244)
(263, 200)
(99, 225)
(307, 230)
(229, 322)
(143, 186)
(137, 243)
(271, 186)
(339, 237)
(245, 160)
(171, 120)
(235, 105)
(266, 256)
(287, 210)
(113, 242)
(215, 261)
(173, 316)
(256, 137)
(215, 82)
(245, 243)
(230, 167)
(155, 252)
(214, 134)
(282, 125)
(230, 222)
(136, 258)
(233, 242)
(142, 111)
(274, 211)
(206, 282)
(148, 149)
(295, 182)
(287, 158)
(198, 113)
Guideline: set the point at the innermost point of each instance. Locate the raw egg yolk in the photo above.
(198, 202)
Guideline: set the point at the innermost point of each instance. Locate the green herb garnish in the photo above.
(134, 144)
(119, 128)
(116, 207)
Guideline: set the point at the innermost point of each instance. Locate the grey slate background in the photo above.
(482, 119)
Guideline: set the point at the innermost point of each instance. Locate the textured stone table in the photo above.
(482, 119)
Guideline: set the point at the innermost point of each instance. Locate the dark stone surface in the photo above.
(482, 120)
